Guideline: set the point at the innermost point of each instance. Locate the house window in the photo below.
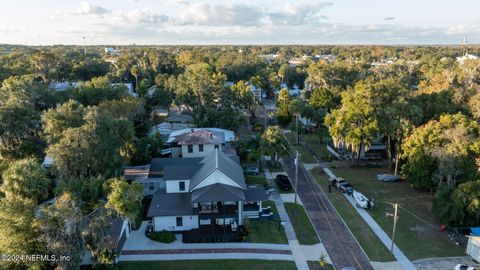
(200, 148)
(179, 222)
(190, 148)
(181, 186)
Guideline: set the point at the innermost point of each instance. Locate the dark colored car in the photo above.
(283, 182)
(344, 187)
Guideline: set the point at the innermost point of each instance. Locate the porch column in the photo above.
(240, 213)
(224, 225)
(260, 208)
(212, 220)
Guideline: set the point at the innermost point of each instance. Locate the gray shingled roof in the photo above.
(201, 137)
(218, 160)
(180, 172)
(158, 164)
(218, 192)
(170, 204)
(255, 193)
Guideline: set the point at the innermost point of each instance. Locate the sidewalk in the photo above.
(298, 251)
(138, 241)
(397, 253)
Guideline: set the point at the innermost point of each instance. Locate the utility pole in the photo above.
(395, 218)
(296, 177)
(298, 133)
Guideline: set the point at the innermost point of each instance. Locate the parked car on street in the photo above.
(344, 187)
(283, 182)
(341, 184)
(252, 170)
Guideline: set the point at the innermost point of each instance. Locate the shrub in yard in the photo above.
(163, 236)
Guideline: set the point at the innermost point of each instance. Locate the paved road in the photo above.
(297, 252)
(341, 246)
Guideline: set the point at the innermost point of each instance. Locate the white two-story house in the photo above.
(203, 194)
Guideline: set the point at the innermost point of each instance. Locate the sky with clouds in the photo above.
(48, 22)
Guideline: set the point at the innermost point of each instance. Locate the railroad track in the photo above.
(341, 246)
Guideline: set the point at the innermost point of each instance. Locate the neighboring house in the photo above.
(268, 57)
(296, 61)
(118, 233)
(179, 117)
(294, 92)
(377, 150)
(194, 143)
(111, 60)
(165, 129)
(306, 121)
(47, 162)
(228, 135)
(473, 246)
(199, 143)
(326, 57)
(111, 51)
(129, 86)
(257, 92)
(208, 192)
(466, 57)
(62, 86)
(384, 62)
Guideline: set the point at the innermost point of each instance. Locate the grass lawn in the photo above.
(315, 265)
(274, 168)
(208, 265)
(417, 230)
(305, 155)
(304, 230)
(258, 179)
(313, 140)
(266, 231)
(372, 245)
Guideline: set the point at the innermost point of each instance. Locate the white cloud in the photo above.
(295, 14)
(389, 18)
(220, 15)
(179, 2)
(87, 9)
(140, 16)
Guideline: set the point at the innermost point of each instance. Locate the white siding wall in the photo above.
(473, 247)
(207, 148)
(176, 151)
(170, 223)
(149, 183)
(173, 186)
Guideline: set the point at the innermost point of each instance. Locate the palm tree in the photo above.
(135, 71)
